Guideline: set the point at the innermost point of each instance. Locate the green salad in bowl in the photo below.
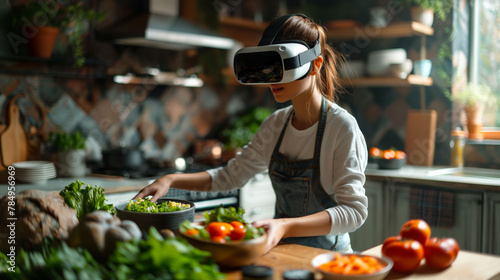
(148, 206)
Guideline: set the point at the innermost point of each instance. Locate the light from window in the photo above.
(489, 54)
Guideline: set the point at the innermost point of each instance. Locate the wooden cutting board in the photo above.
(420, 137)
(13, 140)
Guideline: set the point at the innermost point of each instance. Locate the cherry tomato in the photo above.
(440, 252)
(416, 229)
(218, 239)
(219, 229)
(388, 154)
(375, 152)
(400, 155)
(192, 232)
(405, 253)
(238, 232)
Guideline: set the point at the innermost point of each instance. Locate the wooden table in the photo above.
(468, 265)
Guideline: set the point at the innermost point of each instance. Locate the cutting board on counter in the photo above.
(13, 139)
(420, 137)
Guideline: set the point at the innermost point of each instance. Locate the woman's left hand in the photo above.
(275, 229)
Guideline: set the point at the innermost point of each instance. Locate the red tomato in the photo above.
(400, 154)
(219, 229)
(405, 253)
(440, 252)
(218, 239)
(388, 154)
(389, 240)
(238, 232)
(416, 229)
(375, 152)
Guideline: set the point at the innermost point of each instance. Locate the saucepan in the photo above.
(123, 158)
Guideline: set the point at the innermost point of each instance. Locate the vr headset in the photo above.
(275, 62)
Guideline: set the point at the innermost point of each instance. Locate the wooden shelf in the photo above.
(411, 80)
(393, 30)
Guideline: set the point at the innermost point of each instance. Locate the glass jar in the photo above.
(457, 144)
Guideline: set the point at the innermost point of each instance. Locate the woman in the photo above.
(313, 150)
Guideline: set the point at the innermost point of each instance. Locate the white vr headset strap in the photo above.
(302, 58)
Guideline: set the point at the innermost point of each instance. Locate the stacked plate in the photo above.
(35, 172)
(379, 62)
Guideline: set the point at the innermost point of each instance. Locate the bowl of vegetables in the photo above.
(388, 158)
(337, 266)
(225, 234)
(162, 214)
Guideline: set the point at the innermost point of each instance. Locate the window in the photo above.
(485, 51)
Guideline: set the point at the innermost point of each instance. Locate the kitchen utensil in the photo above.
(232, 253)
(393, 163)
(123, 158)
(164, 220)
(13, 140)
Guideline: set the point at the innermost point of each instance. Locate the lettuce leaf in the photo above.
(85, 198)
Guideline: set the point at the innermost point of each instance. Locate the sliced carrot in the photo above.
(352, 265)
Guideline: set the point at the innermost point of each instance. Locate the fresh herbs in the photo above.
(158, 258)
(221, 214)
(85, 200)
(148, 206)
(64, 141)
(140, 259)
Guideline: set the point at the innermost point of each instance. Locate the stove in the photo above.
(203, 201)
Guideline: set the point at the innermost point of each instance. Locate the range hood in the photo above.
(161, 27)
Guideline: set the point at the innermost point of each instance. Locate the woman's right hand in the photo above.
(157, 189)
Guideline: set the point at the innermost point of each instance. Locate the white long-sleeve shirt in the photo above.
(343, 161)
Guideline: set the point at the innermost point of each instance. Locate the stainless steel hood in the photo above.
(161, 27)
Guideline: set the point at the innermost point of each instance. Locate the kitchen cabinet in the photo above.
(371, 233)
(467, 226)
(389, 209)
(257, 197)
(491, 235)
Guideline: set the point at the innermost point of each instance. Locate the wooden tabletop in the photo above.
(468, 265)
(282, 258)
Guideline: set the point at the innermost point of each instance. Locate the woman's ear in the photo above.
(317, 63)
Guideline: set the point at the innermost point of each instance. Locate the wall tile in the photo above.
(66, 114)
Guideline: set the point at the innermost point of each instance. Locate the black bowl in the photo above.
(394, 163)
(166, 220)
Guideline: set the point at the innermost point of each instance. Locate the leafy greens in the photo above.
(87, 199)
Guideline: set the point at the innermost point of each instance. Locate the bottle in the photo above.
(457, 147)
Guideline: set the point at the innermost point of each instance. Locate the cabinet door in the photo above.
(371, 232)
(467, 226)
(257, 198)
(491, 234)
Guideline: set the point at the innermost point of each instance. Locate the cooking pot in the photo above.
(123, 158)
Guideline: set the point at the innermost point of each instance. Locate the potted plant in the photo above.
(41, 22)
(241, 131)
(423, 11)
(473, 98)
(70, 149)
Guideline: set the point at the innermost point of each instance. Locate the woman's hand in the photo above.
(157, 189)
(275, 228)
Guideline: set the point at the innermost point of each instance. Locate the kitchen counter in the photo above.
(480, 179)
(111, 184)
(468, 265)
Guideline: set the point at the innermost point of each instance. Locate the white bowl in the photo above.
(324, 258)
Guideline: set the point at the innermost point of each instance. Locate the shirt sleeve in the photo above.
(349, 164)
